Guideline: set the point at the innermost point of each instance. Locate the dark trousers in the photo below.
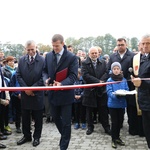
(102, 112)
(6, 118)
(80, 113)
(146, 125)
(12, 111)
(95, 112)
(2, 118)
(62, 119)
(47, 106)
(26, 122)
(117, 116)
(17, 105)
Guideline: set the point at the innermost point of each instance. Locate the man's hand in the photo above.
(29, 93)
(77, 97)
(6, 102)
(56, 83)
(47, 82)
(19, 96)
(136, 81)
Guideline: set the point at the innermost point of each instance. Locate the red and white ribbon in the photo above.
(56, 88)
(66, 87)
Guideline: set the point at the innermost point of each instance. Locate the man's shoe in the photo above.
(133, 133)
(48, 120)
(120, 142)
(108, 131)
(18, 130)
(7, 128)
(24, 140)
(2, 146)
(95, 121)
(89, 131)
(36, 142)
(7, 132)
(3, 137)
(114, 144)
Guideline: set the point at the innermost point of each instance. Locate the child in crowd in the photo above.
(16, 101)
(80, 110)
(116, 103)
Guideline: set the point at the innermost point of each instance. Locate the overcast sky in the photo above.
(21, 20)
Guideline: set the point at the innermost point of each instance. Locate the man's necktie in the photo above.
(143, 58)
(58, 57)
(32, 59)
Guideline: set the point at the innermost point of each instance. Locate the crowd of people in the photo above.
(81, 107)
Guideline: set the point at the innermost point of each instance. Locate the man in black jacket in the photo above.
(94, 71)
(144, 86)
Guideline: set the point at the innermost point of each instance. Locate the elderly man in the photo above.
(29, 74)
(94, 71)
(144, 86)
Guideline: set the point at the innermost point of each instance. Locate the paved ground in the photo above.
(79, 141)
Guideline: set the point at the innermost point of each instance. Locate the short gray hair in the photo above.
(29, 42)
(146, 36)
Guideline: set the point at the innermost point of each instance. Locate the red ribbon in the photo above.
(45, 88)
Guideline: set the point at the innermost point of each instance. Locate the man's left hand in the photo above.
(136, 81)
(56, 83)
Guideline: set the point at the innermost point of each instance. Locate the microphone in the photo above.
(130, 70)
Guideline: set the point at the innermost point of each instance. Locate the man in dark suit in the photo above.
(61, 101)
(29, 74)
(94, 71)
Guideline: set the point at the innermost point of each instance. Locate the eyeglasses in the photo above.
(120, 45)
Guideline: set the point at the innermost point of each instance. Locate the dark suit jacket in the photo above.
(91, 75)
(144, 89)
(68, 60)
(31, 75)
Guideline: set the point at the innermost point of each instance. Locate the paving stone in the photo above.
(98, 140)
